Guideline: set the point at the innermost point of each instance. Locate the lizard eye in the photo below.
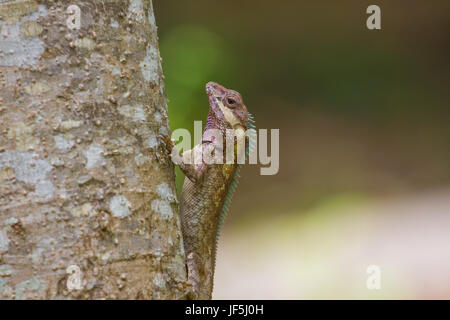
(231, 101)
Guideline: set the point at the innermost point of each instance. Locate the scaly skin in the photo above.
(206, 188)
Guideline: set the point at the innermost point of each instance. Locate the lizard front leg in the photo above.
(193, 169)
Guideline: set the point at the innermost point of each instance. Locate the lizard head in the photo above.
(227, 106)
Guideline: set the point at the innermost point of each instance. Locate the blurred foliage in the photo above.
(362, 114)
(194, 54)
(387, 89)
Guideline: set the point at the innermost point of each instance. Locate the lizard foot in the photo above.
(193, 277)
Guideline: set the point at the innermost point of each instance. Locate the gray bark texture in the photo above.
(88, 206)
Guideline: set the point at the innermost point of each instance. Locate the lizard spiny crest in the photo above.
(251, 146)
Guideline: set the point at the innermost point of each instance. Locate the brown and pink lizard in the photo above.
(208, 187)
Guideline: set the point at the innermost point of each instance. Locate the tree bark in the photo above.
(88, 205)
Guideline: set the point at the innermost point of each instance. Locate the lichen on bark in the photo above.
(85, 175)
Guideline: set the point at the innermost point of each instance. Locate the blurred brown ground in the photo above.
(324, 253)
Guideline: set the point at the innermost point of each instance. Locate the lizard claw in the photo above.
(191, 294)
(168, 141)
(189, 291)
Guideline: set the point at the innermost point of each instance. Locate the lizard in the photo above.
(208, 188)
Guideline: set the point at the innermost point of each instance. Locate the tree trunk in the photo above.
(88, 205)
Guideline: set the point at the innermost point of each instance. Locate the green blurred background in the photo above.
(364, 141)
